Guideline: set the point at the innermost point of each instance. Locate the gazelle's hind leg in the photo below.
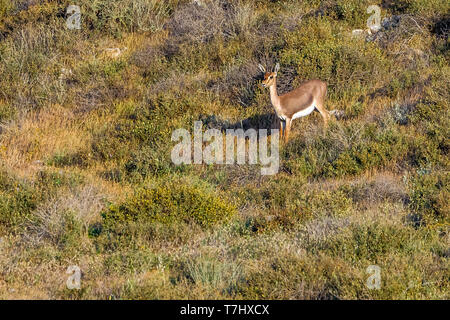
(324, 112)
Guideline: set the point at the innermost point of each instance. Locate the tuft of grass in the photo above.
(207, 271)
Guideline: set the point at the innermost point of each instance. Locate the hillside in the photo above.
(86, 176)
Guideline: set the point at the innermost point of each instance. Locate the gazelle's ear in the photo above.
(277, 68)
(261, 68)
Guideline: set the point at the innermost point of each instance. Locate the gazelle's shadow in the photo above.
(266, 121)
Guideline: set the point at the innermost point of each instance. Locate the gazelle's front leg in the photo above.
(282, 124)
(287, 130)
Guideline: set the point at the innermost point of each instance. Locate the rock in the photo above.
(339, 114)
(358, 33)
(65, 74)
(114, 52)
(198, 2)
(38, 162)
(391, 22)
(373, 29)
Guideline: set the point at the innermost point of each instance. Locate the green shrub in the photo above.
(430, 144)
(352, 12)
(422, 8)
(63, 159)
(347, 150)
(405, 81)
(17, 201)
(20, 198)
(370, 242)
(6, 6)
(169, 202)
(381, 148)
(429, 194)
(48, 181)
(293, 201)
(6, 112)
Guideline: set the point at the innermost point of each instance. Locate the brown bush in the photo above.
(201, 22)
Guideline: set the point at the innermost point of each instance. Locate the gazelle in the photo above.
(298, 103)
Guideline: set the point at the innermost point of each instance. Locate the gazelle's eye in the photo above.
(270, 77)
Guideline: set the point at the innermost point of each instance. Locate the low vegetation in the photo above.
(86, 176)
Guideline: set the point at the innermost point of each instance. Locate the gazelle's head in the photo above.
(269, 77)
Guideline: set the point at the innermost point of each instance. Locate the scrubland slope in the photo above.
(86, 176)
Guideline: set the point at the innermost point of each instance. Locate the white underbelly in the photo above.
(304, 112)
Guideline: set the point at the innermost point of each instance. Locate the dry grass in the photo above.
(36, 137)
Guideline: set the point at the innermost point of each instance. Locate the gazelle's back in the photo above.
(303, 97)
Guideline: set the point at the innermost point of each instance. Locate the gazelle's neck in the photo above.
(274, 98)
